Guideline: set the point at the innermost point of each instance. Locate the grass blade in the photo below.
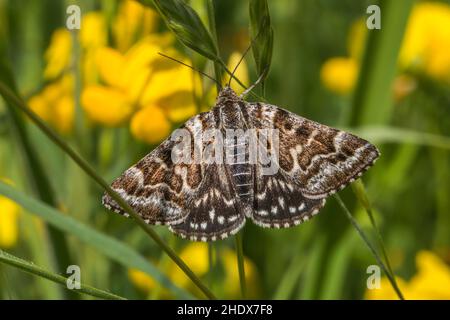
(372, 100)
(9, 95)
(38, 180)
(361, 195)
(212, 27)
(369, 245)
(290, 279)
(240, 264)
(185, 23)
(311, 273)
(262, 34)
(40, 272)
(386, 134)
(337, 266)
(107, 245)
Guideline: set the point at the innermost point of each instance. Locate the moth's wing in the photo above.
(320, 160)
(214, 212)
(279, 203)
(156, 187)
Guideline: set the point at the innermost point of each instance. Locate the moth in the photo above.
(208, 201)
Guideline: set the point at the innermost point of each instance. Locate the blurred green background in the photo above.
(105, 90)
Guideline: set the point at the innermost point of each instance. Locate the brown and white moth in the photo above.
(207, 201)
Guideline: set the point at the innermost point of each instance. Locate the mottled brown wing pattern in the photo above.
(279, 203)
(207, 202)
(158, 189)
(215, 213)
(319, 159)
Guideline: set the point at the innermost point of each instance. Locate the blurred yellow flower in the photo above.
(93, 32)
(126, 82)
(432, 281)
(241, 72)
(425, 48)
(232, 283)
(339, 74)
(105, 105)
(141, 280)
(426, 45)
(58, 54)
(143, 86)
(195, 255)
(55, 104)
(9, 226)
(133, 21)
(60, 51)
(150, 125)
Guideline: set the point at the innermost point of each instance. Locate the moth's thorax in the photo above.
(229, 107)
(227, 95)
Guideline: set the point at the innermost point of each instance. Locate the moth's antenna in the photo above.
(186, 65)
(240, 60)
(243, 56)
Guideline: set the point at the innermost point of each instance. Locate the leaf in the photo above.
(372, 100)
(385, 134)
(38, 179)
(262, 35)
(182, 20)
(107, 245)
(40, 272)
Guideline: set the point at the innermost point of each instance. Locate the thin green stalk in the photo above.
(369, 245)
(213, 30)
(361, 194)
(290, 278)
(40, 272)
(80, 128)
(240, 263)
(9, 95)
(59, 254)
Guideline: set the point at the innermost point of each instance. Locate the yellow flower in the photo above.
(9, 225)
(231, 280)
(132, 21)
(143, 86)
(110, 65)
(150, 125)
(196, 257)
(386, 292)
(58, 54)
(425, 48)
(426, 45)
(55, 104)
(241, 72)
(106, 106)
(432, 281)
(142, 280)
(339, 74)
(93, 30)
(118, 84)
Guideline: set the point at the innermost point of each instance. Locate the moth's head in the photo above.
(227, 94)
